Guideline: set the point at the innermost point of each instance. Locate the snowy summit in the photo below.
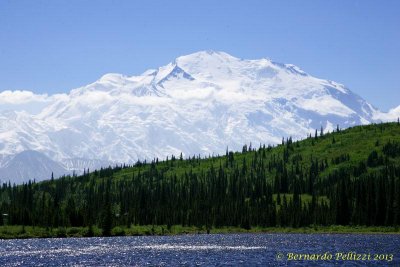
(201, 103)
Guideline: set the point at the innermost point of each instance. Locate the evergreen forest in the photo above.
(346, 177)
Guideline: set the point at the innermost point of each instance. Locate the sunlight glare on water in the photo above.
(195, 250)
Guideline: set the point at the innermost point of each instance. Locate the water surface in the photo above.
(205, 250)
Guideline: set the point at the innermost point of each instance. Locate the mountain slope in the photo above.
(198, 104)
(31, 165)
(350, 177)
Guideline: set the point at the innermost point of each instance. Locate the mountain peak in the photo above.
(206, 55)
(199, 103)
(112, 78)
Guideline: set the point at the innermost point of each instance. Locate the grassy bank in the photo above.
(12, 232)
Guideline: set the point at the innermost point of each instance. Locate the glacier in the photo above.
(202, 103)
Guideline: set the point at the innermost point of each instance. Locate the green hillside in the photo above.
(349, 177)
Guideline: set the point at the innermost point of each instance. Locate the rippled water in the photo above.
(203, 250)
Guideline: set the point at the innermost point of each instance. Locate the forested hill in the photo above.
(349, 177)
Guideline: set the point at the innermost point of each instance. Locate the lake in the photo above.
(206, 250)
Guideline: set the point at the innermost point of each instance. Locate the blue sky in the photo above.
(54, 46)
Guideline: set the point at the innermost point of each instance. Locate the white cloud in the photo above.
(94, 98)
(391, 115)
(21, 97)
(193, 94)
(26, 100)
(143, 100)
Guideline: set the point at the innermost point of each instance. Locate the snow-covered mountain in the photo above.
(31, 164)
(201, 103)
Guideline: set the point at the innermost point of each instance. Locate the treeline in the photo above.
(349, 177)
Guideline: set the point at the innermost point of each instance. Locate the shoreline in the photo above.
(28, 232)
